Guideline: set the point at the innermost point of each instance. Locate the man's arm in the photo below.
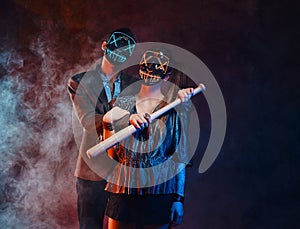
(84, 104)
(109, 120)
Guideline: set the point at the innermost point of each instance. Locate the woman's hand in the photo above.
(176, 213)
(140, 121)
(185, 94)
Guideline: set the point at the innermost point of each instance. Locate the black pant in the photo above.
(91, 203)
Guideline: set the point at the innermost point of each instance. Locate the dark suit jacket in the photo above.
(90, 104)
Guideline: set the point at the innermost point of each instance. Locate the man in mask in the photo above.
(92, 94)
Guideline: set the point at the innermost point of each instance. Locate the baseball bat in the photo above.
(127, 131)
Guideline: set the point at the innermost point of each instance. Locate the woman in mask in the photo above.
(147, 185)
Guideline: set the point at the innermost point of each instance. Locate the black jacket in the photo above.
(90, 105)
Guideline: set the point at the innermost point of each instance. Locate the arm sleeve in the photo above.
(180, 180)
(182, 119)
(182, 155)
(84, 105)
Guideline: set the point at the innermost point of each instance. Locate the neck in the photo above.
(153, 91)
(148, 98)
(110, 70)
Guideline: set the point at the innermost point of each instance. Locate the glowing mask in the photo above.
(153, 67)
(119, 47)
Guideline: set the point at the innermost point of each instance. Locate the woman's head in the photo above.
(154, 66)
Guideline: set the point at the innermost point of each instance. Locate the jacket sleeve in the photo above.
(84, 104)
(183, 150)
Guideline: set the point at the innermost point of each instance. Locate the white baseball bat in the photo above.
(126, 132)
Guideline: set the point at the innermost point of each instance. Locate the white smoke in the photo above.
(37, 149)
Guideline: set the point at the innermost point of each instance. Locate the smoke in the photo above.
(37, 150)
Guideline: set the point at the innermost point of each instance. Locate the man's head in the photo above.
(154, 67)
(119, 46)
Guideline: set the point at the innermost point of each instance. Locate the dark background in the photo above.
(250, 46)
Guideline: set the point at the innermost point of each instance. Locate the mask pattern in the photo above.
(119, 47)
(153, 67)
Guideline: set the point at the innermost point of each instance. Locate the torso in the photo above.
(147, 105)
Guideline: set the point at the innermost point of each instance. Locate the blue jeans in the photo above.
(91, 203)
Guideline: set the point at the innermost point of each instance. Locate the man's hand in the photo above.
(114, 114)
(185, 94)
(176, 213)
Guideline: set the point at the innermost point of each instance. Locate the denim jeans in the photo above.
(91, 203)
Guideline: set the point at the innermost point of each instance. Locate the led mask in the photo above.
(119, 47)
(154, 67)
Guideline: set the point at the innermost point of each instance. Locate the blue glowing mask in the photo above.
(119, 47)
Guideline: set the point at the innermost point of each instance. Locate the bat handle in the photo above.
(201, 87)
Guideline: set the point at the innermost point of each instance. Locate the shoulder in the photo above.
(76, 78)
(125, 102)
(84, 79)
(84, 76)
(74, 81)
